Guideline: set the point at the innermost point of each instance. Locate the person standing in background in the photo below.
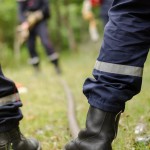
(33, 16)
(88, 15)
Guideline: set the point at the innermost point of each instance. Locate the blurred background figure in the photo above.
(104, 8)
(89, 16)
(33, 16)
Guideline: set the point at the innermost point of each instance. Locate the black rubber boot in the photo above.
(35, 62)
(101, 129)
(57, 67)
(37, 68)
(14, 140)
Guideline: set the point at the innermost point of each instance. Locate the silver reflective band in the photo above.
(34, 60)
(8, 99)
(119, 69)
(53, 56)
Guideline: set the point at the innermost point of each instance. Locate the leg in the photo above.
(52, 55)
(117, 73)
(89, 16)
(10, 116)
(34, 58)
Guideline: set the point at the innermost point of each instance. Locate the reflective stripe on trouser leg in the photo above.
(9, 99)
(34, 61)
(10, 114)
(53, 56)
(119, 67)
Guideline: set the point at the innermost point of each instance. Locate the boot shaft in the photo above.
(101, 129)
(101, 123)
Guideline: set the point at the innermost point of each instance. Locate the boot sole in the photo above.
(39, 148)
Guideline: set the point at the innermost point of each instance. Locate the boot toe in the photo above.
(71, 146)
(34, 144)
(27, 144)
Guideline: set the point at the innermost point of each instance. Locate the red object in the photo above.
(96, 3)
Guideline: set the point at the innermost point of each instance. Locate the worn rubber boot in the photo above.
(14, 140)
(37, 68)
(57, 66)
(101, 129)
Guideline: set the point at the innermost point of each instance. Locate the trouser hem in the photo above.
(8, 126)
(105, 107)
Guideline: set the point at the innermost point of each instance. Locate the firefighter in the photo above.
(117, 73)
(10, 115)
(88, 15)
(33, 15)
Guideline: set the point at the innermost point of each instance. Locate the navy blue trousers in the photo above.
(10, 114)
(119, 66)
(40, 30)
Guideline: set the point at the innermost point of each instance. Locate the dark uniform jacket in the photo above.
(33, 5)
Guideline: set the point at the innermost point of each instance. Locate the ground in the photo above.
(45, 105)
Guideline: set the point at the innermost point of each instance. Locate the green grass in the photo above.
(45, 104)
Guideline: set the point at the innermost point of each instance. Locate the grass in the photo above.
(44, 110)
